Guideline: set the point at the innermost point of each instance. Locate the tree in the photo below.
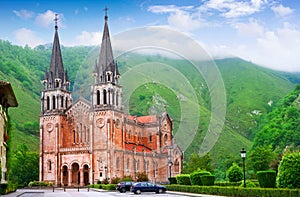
(260, 158)
(24, 165)
(196, 162)
(289, 171)
(234, 173)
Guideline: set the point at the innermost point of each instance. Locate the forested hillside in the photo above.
(282, 126)
(252, 91)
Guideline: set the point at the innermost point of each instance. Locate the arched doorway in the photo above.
(65, 176)
(86, 174)
(75, 174)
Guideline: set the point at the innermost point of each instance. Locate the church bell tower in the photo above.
(106, 91)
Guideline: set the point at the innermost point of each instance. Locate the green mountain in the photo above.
(282, 129)
(250, 92)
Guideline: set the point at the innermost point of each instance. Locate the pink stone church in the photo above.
(87, 141)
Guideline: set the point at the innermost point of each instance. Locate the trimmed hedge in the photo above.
(172, 180)
(195, 177)
(7, 188)
(267, 179)
(207, 180)
(109, 187)
(234, 191)
(183, 179)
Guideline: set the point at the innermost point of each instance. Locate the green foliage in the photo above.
(24, 165)
(195, 177)
(183, 179)
(234, 191)
(249, 184)
(127, 178)
(172, 180)
(234, 173)
(289, 171)
(267, 179)
(142, 176)
(196, 162)
(260, 158)
(207, 180)
(109, 187)
(7, 188)
(282, 125)
(115, 180)
(40, 183)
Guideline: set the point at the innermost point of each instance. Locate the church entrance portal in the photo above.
(75, 174)
(65, 176)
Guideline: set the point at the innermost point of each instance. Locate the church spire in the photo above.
(56, 77)
(106, 63)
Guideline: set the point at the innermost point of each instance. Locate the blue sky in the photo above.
(266, 32)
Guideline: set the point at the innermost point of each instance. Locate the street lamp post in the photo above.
(93, 172)
(170, 168)
(243, 155)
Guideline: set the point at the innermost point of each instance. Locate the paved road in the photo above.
(91, 193)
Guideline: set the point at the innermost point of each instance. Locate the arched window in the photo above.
(113, 97)
(129, 134)
(176, 166)
(150, 137)
(74, 136)
(62, 101)
(104, 97)
(166, 139)
(98, 97)
(117, 102)
(53, 102)
(117, 163)
(127, 165)
(49, 165)
(138, 165)
(48, 103)
(139, 137)
(66, 102)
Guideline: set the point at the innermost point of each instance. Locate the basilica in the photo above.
(86, 141)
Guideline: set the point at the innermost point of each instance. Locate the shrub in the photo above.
(141, 176)
(267, 179)
(234, 173)
(127, 178)
(115, 180)
(195, 177)
(207, 180)
(289, 171)
(109, 187)
(183, 179)
(172, 180)
(249, 184)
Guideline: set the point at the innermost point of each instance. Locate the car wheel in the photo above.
(138, 191)
(123, 190)
(160, 191)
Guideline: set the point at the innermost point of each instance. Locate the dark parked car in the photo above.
(137, 188)
(124, 186)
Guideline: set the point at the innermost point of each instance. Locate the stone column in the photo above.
(70, 177)
(81, 177)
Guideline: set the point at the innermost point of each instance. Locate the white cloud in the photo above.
(24, 14)
(182, 18)
(233, 9)
(251, 29)
(277, 49)
(28, 37)
(280, 10)
(88, 38)
(46, 19)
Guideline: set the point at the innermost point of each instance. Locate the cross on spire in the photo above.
(105, 10)
(56, 19)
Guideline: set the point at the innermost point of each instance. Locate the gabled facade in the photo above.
(89, 141)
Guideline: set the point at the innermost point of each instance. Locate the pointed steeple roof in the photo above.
(56, 63)
(106, 60)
